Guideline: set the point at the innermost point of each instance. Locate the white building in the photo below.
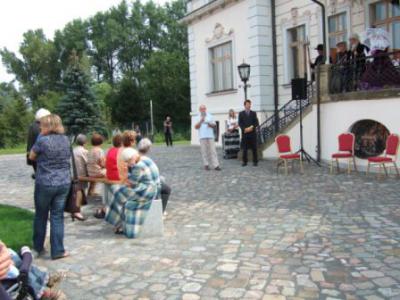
(224, 33)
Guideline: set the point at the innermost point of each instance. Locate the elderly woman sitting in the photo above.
(131, 201)
(144, 147)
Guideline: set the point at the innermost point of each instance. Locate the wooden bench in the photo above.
(98, 180)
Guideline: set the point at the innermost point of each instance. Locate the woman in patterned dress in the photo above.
(131, 201)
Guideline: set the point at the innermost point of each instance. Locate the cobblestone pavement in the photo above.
(243, 233)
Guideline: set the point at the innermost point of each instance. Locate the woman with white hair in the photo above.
(144, 149)
(33, 133)
(132, 200)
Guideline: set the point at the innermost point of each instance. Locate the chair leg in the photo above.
(301, 166)
(286, 166)
(348, 166)
(397, 170)
(337, 165)
(384, 168)
(354, 163)
(331, 168)
(368, 167)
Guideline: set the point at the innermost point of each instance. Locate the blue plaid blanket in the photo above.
(128, 206)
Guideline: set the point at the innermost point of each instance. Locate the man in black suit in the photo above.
(248, 122)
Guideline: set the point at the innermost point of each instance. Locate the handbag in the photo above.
(72, 205)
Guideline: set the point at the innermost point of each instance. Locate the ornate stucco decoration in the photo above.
(219, 33)
(296, 18)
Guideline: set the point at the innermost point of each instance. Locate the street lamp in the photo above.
(244, 73)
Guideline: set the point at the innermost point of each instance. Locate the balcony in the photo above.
(373, 77)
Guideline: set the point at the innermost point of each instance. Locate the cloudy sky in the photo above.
(18, 16)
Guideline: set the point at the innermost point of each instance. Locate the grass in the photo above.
(20, 149)
(15, 226)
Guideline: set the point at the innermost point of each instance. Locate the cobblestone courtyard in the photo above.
(243, 233)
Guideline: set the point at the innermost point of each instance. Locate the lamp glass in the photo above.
(244, 71)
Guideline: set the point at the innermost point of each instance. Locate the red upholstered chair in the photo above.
(389, 157)
(285, 152)
(346, 151)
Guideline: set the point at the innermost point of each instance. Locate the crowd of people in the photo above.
(357, 67)
(132, 176)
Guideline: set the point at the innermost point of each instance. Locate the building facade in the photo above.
(224, 33)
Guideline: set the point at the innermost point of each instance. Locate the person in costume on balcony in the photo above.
(340, 75)
(358, 52)
(319, 60)
(381, 73)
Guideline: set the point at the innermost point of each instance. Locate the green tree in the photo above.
(49, 100)
(166, 77)
(79, 108)
(37, 70)
(73, 37)
(106, 34)
(128, 103)
(103, 93)
(174, 37)
(14, 121)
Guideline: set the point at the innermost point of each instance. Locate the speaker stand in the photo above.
(303, 153)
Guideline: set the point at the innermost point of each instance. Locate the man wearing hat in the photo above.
(33, 133)
(319, 60)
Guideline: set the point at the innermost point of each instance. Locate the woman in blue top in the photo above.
(52, 153)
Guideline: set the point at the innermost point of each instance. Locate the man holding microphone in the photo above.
(248, 122)
(205, 124)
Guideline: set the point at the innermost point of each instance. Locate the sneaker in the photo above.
(255, 164)
(217, 169)
(244, 164)
(207, 168)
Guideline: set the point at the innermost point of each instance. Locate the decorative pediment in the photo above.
(296, 17)
(219, 33)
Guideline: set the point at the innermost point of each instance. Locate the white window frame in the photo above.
(338, 11)
(216, 43)
(285, 35)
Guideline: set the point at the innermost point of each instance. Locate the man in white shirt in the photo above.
(205, 124)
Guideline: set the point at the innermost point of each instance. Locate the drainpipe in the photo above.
(323, 27)
(318, 85)
(275, 66)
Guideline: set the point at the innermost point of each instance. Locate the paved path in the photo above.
(243, 233)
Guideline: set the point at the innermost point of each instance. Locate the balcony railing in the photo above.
(285, 116)
(375, 72)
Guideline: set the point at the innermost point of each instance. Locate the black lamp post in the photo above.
(244, 73)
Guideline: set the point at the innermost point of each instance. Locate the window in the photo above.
(387, 16)
(221, 66)
(297, 54)
(337, 27)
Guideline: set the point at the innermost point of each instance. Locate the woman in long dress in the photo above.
(132, 200)
(231, 138)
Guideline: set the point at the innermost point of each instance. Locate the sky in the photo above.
(18, 16)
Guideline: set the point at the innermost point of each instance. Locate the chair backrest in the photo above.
(283, 143)
(392, 144)
(346, 142)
